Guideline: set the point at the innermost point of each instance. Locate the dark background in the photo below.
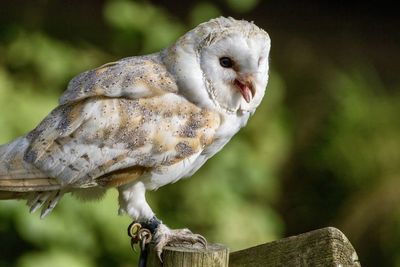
(322, 150)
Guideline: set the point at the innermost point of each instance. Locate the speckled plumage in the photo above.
(142, 122)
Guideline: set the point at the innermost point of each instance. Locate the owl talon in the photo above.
(202, 240)
(175, 238)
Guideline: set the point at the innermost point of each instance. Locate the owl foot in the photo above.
(160, 235)
(175, 238)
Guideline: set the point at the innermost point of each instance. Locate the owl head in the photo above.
(222, 64)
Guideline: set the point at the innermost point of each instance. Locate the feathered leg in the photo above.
(132, 201)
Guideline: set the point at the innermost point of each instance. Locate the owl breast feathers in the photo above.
(142, 122)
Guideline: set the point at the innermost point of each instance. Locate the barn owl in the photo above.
(142, 122)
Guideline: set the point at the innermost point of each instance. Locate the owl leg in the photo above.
(132, 201)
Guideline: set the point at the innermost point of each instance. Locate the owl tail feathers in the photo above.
(17, 175)
(47, 200)
(21, 180)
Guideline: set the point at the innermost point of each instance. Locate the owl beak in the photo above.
(246, 87)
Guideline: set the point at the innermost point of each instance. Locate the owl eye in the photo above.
(226, 62)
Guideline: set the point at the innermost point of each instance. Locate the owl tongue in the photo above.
(245, 90)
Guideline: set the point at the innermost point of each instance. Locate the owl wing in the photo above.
(122, 119)
(110, 141)
(133, 77)
(106, 142)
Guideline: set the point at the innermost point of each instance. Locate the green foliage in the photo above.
(363, 115)
(202, 12)
(54, 257)
(242, 6)
(153, 26)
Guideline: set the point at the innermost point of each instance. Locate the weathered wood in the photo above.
(322, 247)
(215, 255)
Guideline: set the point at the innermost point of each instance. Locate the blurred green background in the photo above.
(323, 149)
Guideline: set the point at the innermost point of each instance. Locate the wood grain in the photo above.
(322, 247)
(216, 255)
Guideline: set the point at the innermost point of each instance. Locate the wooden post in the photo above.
(322, 247)
(215, 255)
